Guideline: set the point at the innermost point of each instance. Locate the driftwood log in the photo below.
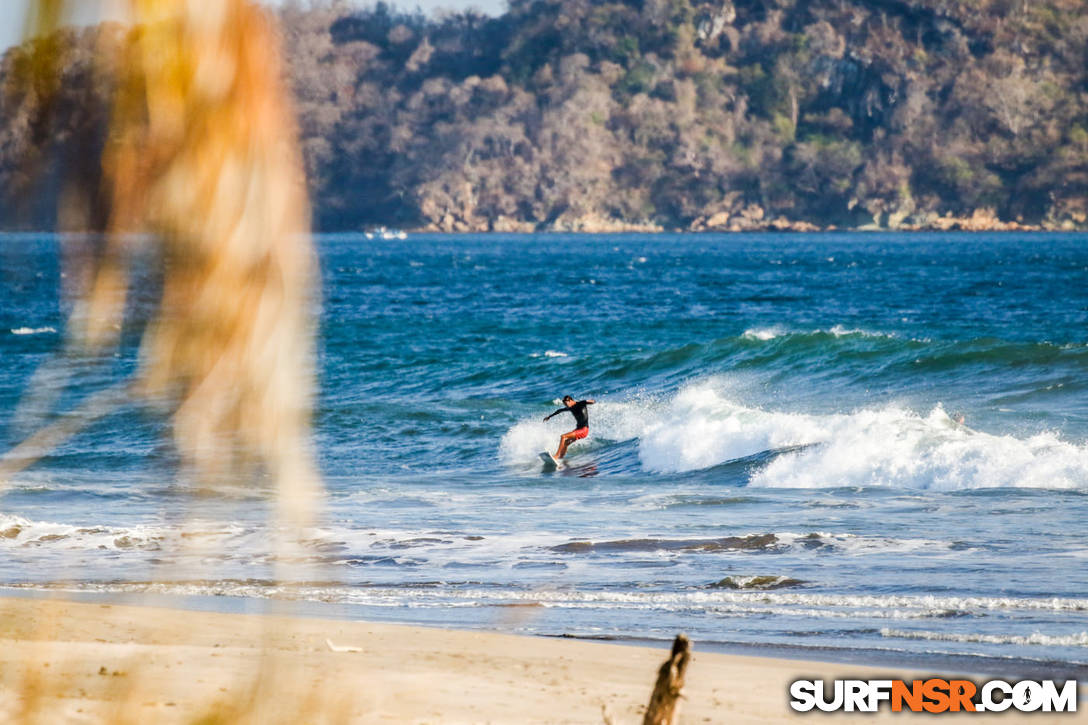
(665, 700)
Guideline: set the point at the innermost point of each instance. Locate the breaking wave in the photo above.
(764, 334)
(700, 428)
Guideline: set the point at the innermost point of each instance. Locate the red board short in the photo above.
(580, 433)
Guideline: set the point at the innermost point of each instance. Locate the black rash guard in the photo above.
(580, 412)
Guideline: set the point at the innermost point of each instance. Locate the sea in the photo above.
(862, 447)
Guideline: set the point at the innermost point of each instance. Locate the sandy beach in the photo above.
(82, 662)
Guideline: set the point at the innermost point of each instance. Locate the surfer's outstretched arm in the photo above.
(561, 410)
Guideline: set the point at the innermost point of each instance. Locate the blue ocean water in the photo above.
(774, 461)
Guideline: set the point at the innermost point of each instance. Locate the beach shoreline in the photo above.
(509, 620)
(93, 662)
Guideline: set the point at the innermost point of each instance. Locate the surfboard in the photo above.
(550, 461)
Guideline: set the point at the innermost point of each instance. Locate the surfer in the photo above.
(581, 420)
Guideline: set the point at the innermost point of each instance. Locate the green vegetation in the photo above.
(571, 114)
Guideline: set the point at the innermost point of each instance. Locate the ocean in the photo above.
(774, 466)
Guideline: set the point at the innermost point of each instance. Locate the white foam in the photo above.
(889, 446)
(775, 331)
(32, 330)
(841, 331)
(764, 333)
(609, 420)
(700, 428)
(893, 607)
(525, 440)
(1079, 639)
(20, 532)
(900, 448)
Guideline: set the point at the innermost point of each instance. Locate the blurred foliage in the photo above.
(178, 136)
(665, 111)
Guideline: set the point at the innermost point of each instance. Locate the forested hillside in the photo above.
(569, 114)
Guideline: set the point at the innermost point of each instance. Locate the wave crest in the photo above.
(700, 428)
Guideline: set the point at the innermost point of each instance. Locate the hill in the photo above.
(577, 115)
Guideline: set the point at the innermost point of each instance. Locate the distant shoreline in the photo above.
(642, 229)
(983, 220)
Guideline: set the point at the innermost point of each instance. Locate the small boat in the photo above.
(386, 233)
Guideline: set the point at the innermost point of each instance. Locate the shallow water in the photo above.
(771, 461)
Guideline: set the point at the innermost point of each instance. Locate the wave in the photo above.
(899, 448)
(774, 347)
(700, 428)
(832, 357)
(725, 601)
(20, 532)
(877, 352)
(230, 543)
(32, 330)
(1079, 639)
(764, 334)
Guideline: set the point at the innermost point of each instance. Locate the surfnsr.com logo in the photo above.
(934, 695)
